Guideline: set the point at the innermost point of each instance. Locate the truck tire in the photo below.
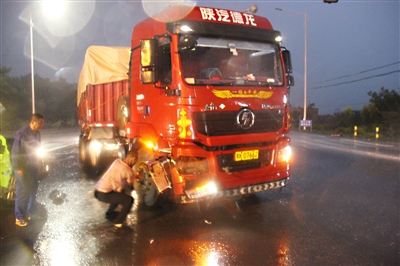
(87, 161)
(83, 156)
(144, 186)
(93, 157)
(145, 189)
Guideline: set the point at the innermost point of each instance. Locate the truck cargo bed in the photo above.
(98, 104)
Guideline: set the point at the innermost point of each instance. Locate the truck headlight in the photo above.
(202, 191)
(284, 154)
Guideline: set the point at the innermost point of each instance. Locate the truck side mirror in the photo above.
(290, 80)
(187, 43)
(148, 48)
(287, 61)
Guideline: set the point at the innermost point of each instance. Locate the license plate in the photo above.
(246, 155)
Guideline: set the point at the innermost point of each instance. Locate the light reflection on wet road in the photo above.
(339, 208)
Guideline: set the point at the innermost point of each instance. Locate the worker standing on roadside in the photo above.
(25, 162)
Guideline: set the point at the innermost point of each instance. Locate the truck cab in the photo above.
(207, 105)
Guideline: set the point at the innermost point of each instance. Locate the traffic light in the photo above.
(331, 1)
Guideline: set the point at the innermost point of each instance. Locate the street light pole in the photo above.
(305, 66)
(32, 71)
(305, 16)
(49, 7)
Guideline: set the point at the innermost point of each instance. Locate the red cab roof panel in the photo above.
(215, 15)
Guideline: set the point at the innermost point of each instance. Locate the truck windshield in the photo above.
(231, 62)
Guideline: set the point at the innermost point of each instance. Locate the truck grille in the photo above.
(226, 162)
(224, 123)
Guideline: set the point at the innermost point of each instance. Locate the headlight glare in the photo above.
(95, 146)
(284, 154)
(41, 152)
(202, 191)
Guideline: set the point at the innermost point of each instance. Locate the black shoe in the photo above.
(111, 215)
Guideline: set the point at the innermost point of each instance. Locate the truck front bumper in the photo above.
(193, 196)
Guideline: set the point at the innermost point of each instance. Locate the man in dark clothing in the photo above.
(25, 160)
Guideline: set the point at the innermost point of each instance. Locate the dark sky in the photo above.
(353, 45)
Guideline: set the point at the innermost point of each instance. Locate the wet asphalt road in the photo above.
(341, 207)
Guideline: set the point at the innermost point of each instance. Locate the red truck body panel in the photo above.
(98, 104)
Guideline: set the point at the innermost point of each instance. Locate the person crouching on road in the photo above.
(110, 187)
(25, 160)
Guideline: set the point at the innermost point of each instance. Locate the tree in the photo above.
(56, 100)
(370, 114)
(385, 100)
(14, 98)
(348, 117)
(383, 111)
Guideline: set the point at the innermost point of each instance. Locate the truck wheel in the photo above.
(86, 159)
(144, 186)
(93, 157)
(83, 156)
(96, 159)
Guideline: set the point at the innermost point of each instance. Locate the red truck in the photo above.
(203, 96)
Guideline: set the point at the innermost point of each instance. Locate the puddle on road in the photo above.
(58, 197)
